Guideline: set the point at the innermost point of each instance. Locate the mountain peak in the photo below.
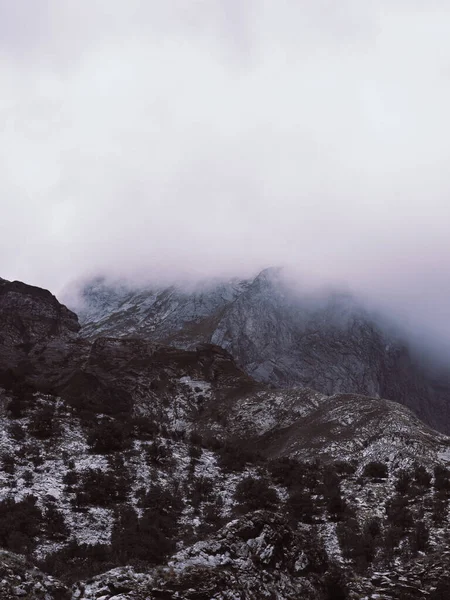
(123, 451)
(270, 273)
(279, 334)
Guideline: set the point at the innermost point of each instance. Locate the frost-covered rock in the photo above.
(20, 579)
(134, 470)
(278, 335)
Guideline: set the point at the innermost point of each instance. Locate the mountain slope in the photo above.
(278, 336)
(171, 473)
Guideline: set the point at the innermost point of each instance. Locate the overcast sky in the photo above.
(221, 136)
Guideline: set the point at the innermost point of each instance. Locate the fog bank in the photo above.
(184, 140)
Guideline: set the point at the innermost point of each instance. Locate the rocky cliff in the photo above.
(135, 470)
(279, 336)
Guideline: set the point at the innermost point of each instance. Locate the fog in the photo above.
(189, 139)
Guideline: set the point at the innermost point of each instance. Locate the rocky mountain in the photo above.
(131, 469)
(29, 315)
(279, 336)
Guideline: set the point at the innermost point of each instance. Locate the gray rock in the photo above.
(279, 337)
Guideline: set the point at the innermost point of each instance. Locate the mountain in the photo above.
(134, 469)
(29, 315)
(279, 336)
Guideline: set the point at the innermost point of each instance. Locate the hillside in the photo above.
(279, 335)
(132, 469)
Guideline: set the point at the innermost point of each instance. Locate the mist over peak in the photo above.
(194, 140)
(225, 318)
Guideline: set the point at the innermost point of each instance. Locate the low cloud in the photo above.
(191, 139)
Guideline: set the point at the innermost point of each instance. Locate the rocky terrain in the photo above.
(135, 469)
(279, 335)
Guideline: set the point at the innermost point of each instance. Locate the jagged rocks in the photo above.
(122, 452)
(30, 317)
(279, 336)
(252, 557)
(19, 579)
(30, 314)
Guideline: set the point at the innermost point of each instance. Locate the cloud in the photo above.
(221, 136)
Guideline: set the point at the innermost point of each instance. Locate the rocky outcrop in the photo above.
(248, 550)
(279, 337)
(31, 317)
(30, 314)
(130, 469)
(19, 578)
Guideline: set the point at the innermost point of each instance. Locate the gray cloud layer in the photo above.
(221, 136)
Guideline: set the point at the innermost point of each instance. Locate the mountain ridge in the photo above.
(134, 470)
(279, 337)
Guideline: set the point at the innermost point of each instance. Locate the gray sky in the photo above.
(221, 136)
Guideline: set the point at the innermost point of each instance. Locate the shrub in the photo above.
(195, 452)
(376, 470)
(143, 539)
(144, 428)
(150, 538)
(158, 453)
(109, 436)
(164, 501)
(359, 545)
(331, 488)
(398, 513)
(20, 523)
(301, 507)
(441, 478)
(16, 407)
(70, 479)
(255, 494)
(124, 538)
(331, 481)
(335, 585)
(292, 473)
(17, 432)
(336, 506)
(33, 453)
(212, 514)
(89, 395)
(373, 527)
(99, 488)
(442, 591)
(55, 525)
(316, 553)
(421, 476)
(9, 464)
(28, 478)
(403, 482)
(202, 489)
(212, 443)
(347, 534)
(116, 464)
(43, 424)
(196, 439)
(420, 537)
(78, 561)
(344, 467)
(231, 457)
(440, 502)
(392, 536)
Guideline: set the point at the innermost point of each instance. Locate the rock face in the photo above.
(20, 579)
(277, 336)
(232, 565)
(30, 316)
(130, 469)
